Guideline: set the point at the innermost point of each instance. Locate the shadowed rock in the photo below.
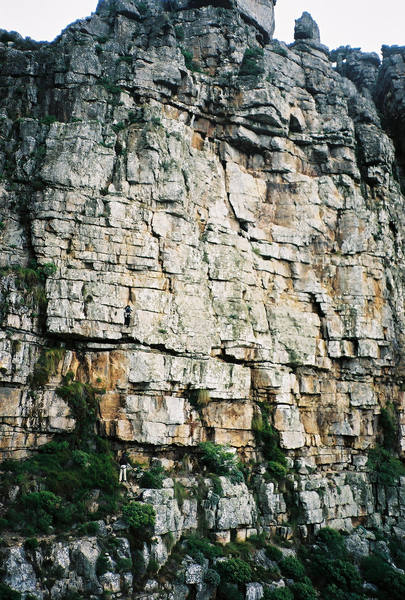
(306, 29)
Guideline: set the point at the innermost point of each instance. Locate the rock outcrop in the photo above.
(307, 29)
(243, 198)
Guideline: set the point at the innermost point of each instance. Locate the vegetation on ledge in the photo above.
(54, 488)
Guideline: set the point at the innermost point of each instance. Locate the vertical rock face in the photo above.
(260, 12)
(390, 97)
(244, 202)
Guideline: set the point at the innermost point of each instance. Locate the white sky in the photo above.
(364, 23)
(358, 23)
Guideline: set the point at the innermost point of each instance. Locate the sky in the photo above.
(359, 23)
(367, 24)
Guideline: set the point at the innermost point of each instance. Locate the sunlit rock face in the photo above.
(243, 199)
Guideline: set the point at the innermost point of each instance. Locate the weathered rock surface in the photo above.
(306, 29)
(253, 221)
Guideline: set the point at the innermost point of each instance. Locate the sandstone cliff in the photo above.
(244, 198)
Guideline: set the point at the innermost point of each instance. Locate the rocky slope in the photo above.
(244, 199)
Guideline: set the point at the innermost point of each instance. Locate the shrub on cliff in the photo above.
(82, 399)
(139, 515)
(46, 366)
(66, 477)
(198, 547)
(388, 422)
(268, 440)
(6, 593)
(235, 570)
(40, 510)
(386, 467)
(273, 553)
(221, 461)
(251, 62)
(30, 280)
(331, 569)
(229, 591)
(292, 568)
(189, 61)
(391, 582)
(279, 594)
(333, 542)
(304, 591)
(153, 478)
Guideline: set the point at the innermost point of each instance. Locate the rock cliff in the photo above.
(244, 198)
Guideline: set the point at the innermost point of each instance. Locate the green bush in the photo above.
(333, 541)
(136, 116)
(179, 32)
(386, 467)
(110, 87)
(48, 119)
(304, 591)
(82, 399)
(142, 7)
(198, 546)
(273, 553)
(333, 592)
(72, 596)
(180, 493)
(391, 583)
(292, 568)
(277, 470)
(212, 577)
(90, 528)
(189, 61)
(139, 515)
(31, 279)
(279, 594)
(388, 422)
(221, 461)
(251, 62)
(65, 486)
(19, 42)
(46, 366)
(266, 575)
(153, 567)
(278, 48)
(102, 564)
(124, 565)
(39, 510)
(6, 593)
(235, 570)
(397, 549)
(268, 438)
(326, 571)
(331, 568)
(31, 544)
(374, 569)
(229, 591)
(118, 127)
(153, 479)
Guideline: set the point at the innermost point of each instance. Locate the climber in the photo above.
(127, 315)
(123, 466)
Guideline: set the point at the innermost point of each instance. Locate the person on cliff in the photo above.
(127, 315)
(124, 460)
